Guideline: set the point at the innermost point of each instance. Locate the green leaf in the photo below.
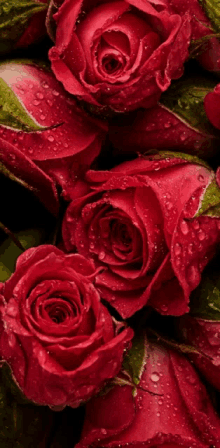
(22, 425)
(212, 10)
(135, 359)
(12, 112)
(210, 204)
(9, 252)
(185, 98)
(205, 299)
(14, 18)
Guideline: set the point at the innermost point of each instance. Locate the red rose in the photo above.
(139, 223)
(120, 54)
(57, 337)
(203, 334)
(169, 409)
(46, 157)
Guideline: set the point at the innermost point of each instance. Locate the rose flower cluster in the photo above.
(115, 132)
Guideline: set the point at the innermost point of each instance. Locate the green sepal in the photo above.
(14, 18)
(212, 10)
(205, 299)
(185, 99)
(9, 251)
(210, 203)
(179, 155)
(12, 112)
(135, 359)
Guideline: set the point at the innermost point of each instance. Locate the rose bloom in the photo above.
(57, 156)
(169, 409)
(120, 54)
(59, 340)
(138, 222)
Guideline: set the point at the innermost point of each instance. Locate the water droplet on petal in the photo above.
(184, 227)
(201, 235)
(177, 249)
(39, 95)
(154, 377)
(50, 138)
(101, 255)
(183, 137)
(193, 275)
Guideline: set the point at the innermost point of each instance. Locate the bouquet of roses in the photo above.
(110, 223)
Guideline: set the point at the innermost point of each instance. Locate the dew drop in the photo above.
(39, 95)
(101, 255)
(177, 249)
(195, 224)
(184, 227)
(193, 275)
(167, 125)
(190, 249)
(183, 137)
(36, 103)
(50, 138)
(201, 235)
(42, 117)
(154, 377)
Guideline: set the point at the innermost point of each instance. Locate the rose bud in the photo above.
(22, 23)
(181, 121)
(45, 138)
(205, 25)
(60, 342)
(168, 407)
(149, 223)
(121, 55)
(201, 329)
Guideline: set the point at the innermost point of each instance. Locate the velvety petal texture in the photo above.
(59, 340)
(57, 156)
(138, 222)
(169, 409)
(119, 55)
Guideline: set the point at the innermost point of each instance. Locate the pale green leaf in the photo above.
(13, 114)
(210, 203)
